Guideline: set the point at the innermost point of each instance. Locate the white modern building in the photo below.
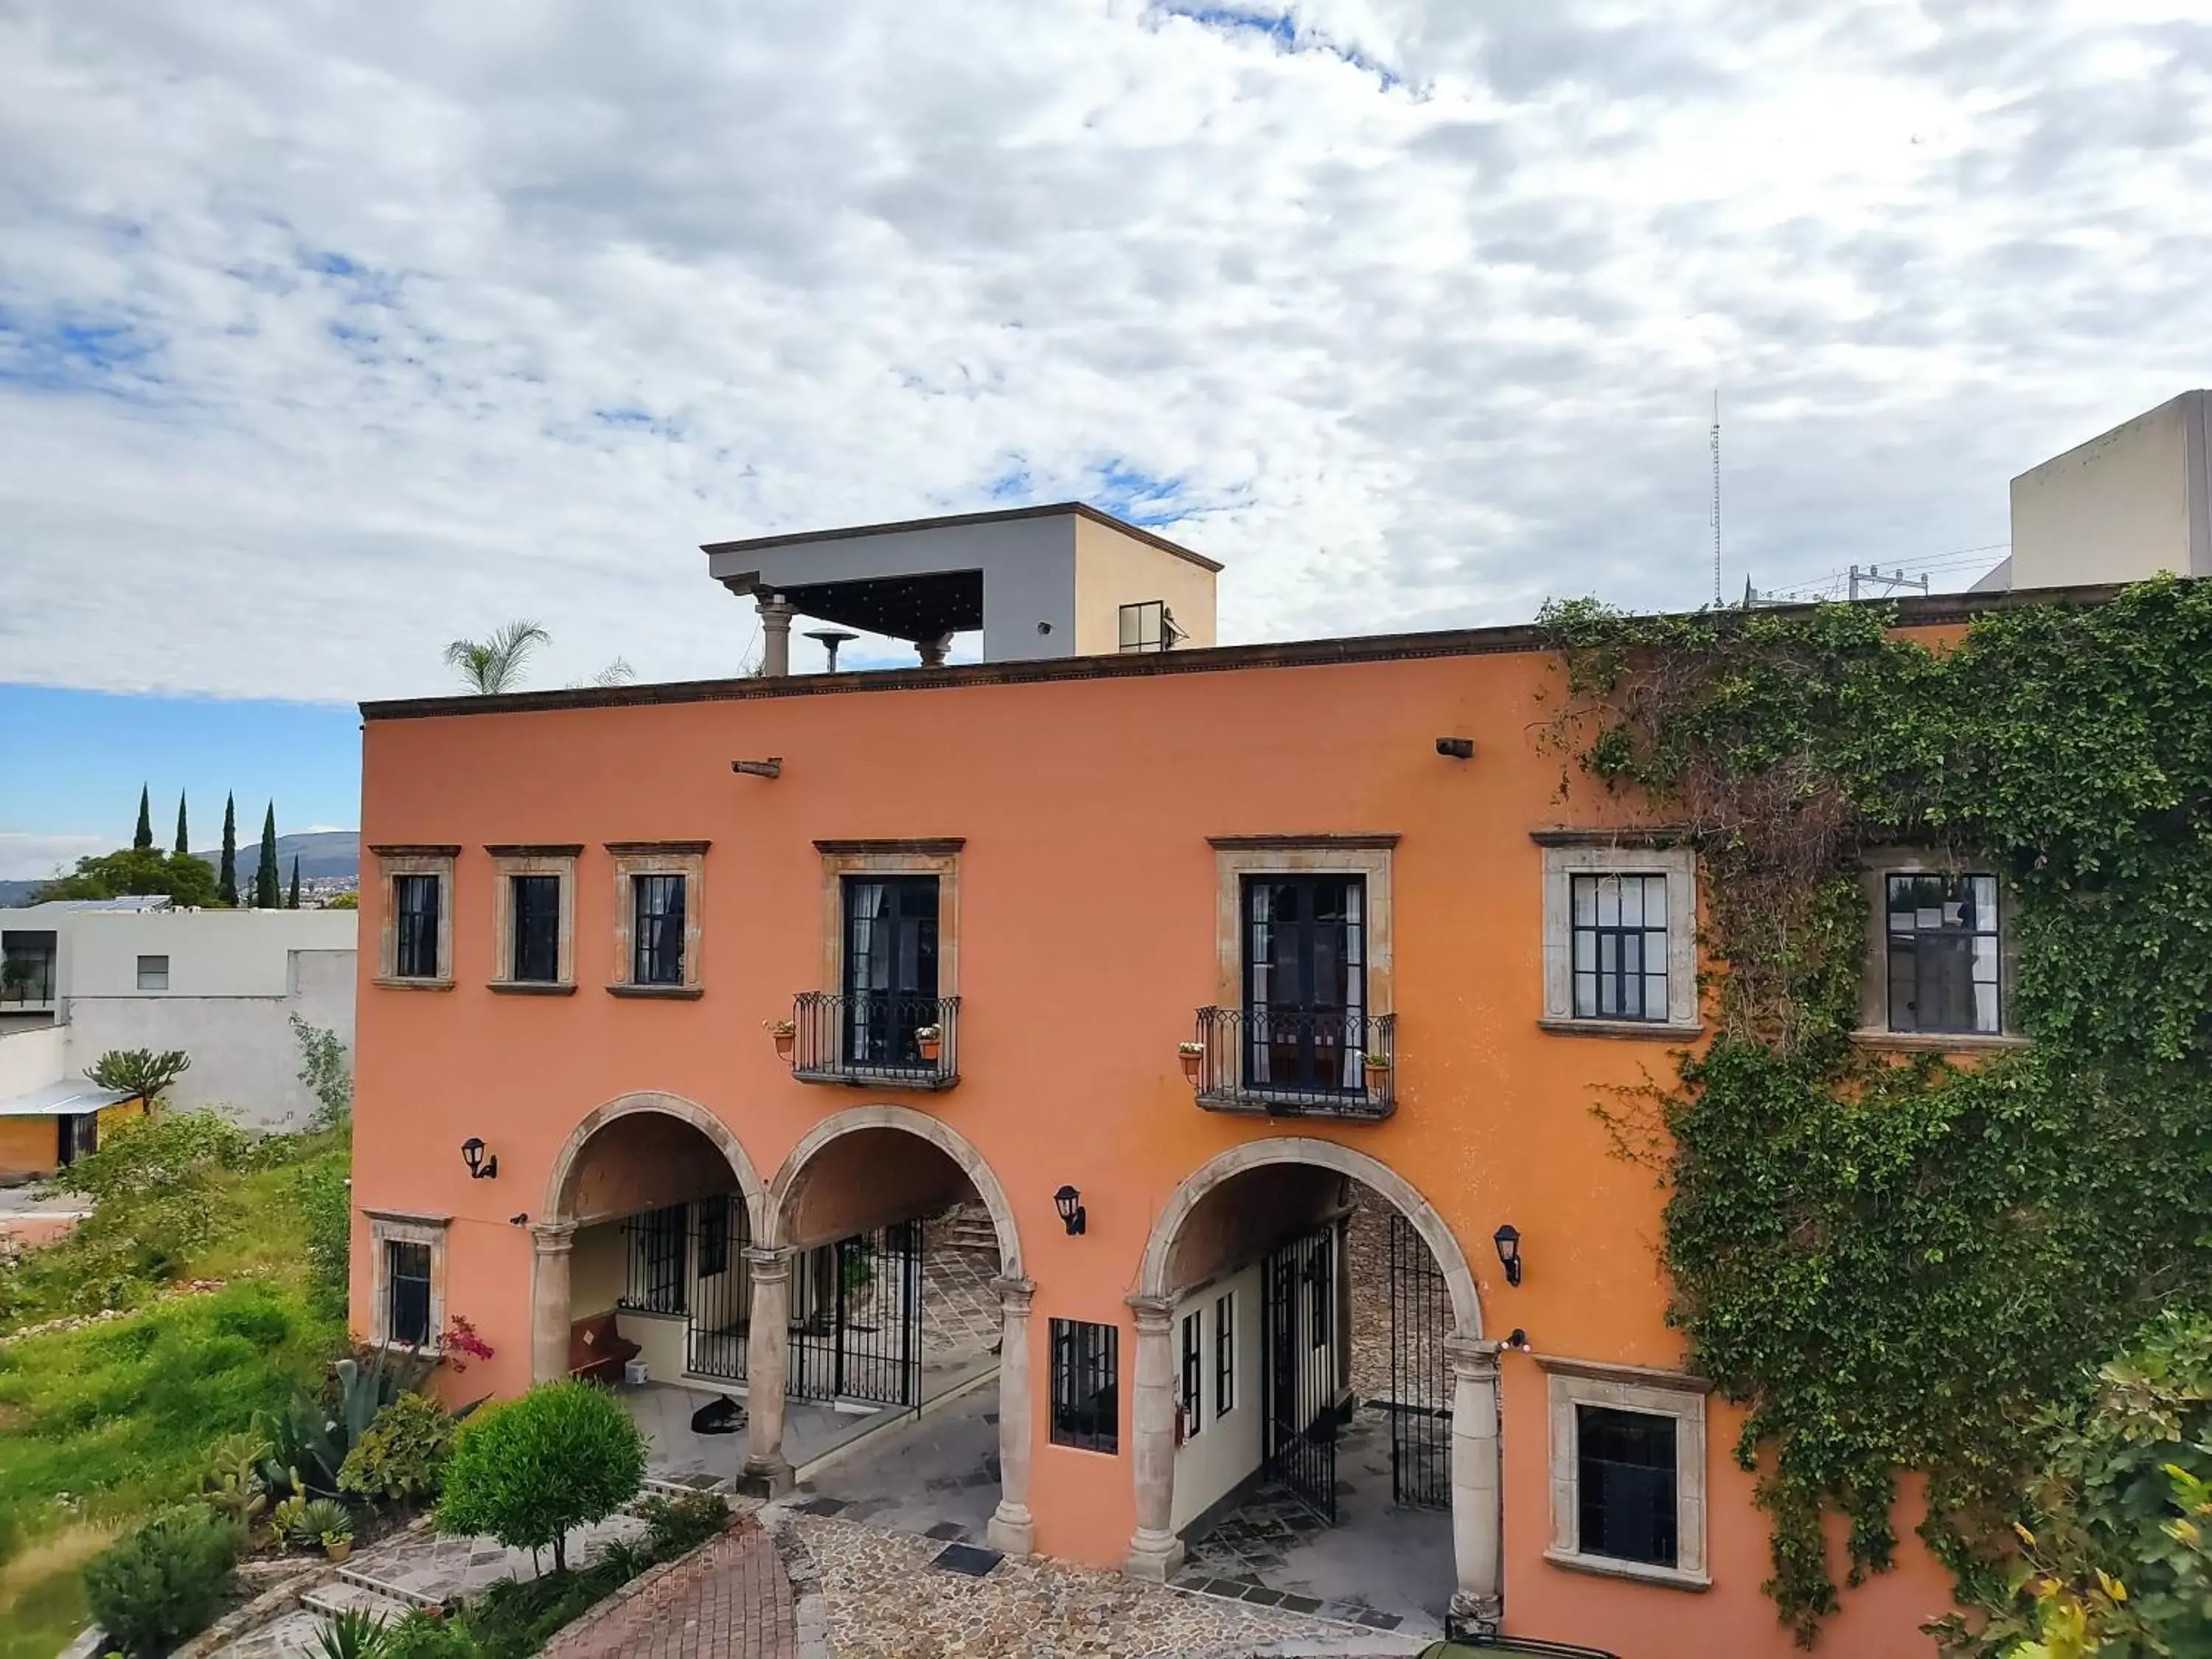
(221, 984)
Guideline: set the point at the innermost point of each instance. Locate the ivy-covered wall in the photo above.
(1898, 1261)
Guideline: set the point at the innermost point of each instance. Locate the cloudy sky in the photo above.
(329, 330)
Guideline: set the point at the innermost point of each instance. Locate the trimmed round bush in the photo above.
(530, 1471)
(163, 1583)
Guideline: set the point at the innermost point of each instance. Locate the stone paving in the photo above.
(731, 1600)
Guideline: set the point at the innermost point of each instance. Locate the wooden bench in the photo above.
(598, 1350)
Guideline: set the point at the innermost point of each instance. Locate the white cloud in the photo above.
(327, 333)
(26, 857)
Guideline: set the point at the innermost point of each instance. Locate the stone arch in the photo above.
(770, 1226)
(1395, 1188)
(559, 1184)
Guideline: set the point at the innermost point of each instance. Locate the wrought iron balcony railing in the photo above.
(876, 1037)
(1296, 1063)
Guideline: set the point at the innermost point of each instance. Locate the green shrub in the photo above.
(404, 1454)
(324, 1198)
(163, 1583)
(563, 1456)
(425, 1635)
(676, 1526)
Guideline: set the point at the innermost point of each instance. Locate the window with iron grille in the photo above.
(714, 1235)
(1225, 1354)
(1194, 1371)
(1621, 947)
(654, 1248)
(415, 902)
(657, 930)
(1087, 1405)
(1943, 953)
(407, 1279)
(537, 926)
(1624, 1484)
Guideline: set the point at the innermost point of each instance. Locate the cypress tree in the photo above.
(183, 842)
(293, 903)
(265, 891)
(226, 880)
(141, 839)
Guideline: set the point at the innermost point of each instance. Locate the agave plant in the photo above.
(319, 1519)
(352, 1634)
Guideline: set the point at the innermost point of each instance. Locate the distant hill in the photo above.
(18, 892)
(325, 852)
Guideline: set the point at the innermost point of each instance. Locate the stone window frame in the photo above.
(1677, 1395)
(507, 862)
(1572, 852)
(407, 1227)
(415, 861)
(938, 856)
(1874, 870)
(632, 859)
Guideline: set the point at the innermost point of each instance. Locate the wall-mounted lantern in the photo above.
(1069, 1203)
(480, 1167)
(1508, 1240)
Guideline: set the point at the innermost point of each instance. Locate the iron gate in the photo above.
(721, 1290)
(1419, 1404)
(1299, 1411)
(856, 1318)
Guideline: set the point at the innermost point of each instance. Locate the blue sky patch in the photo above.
(1136, 496)
(1282, 29)
(74, 352)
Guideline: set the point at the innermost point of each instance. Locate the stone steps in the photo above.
(364, 1580)
(351, 1595)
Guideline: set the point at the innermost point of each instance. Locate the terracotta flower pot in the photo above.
(1193, 1055)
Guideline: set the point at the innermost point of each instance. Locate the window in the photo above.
(536, 957)
(656, 929)
(714, 1236)
(1625, 1484)
(891, 967)
(1621, 947)
(1628, 1472)
(1086, 1407)
(1149, 626)
(1621, 935)
(407, 1292)
(1225, 1354)
(415, 902)
(1943, 954)
(79, 1136)
(655, 1250)
(1305, 982)
(153, 973)
(1193, 1372)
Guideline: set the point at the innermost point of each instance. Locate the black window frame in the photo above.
(656, 1260)
(407, 1292)
(1305, 1044)
(1591, 942)
(533, 951)
(1225, 1354)
(902, 945)
(714, 1230)
(163, 970)
(1915, 943)
(1193, 1334)
(658, 907)
(1146, 626)
(1628, 1507)
(414, 953)
(1086, 1392)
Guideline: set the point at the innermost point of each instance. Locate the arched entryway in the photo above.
(849, 1216)
(648, 1206)
(1250, 1253)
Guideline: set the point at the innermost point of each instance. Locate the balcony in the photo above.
(874, 1038)
(1297, 1063)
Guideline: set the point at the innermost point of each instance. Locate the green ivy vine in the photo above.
(1897, 1262)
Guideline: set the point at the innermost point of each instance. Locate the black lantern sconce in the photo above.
(1069, 1203)
(480, 1167)
(1508, 1240)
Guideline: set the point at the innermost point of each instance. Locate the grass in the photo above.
(101, 1425)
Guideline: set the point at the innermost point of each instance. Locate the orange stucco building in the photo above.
(1191, 936)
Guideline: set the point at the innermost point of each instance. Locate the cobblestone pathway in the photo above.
(731, 1600)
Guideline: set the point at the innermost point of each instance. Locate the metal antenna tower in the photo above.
(1717, 498)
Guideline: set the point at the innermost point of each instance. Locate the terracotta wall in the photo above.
(1087, 942)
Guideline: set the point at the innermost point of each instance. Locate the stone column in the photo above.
(768, 1353)
(775, 614)
(549, 1300)
(932, 651)
(1155, 1553)
(1477, 1492)
(1012, 1529)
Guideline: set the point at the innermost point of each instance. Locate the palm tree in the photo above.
(494, 664)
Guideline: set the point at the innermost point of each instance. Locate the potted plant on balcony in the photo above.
(929, 1039)
(1193, 1055)
(786, 1032)
(1375, 1066)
